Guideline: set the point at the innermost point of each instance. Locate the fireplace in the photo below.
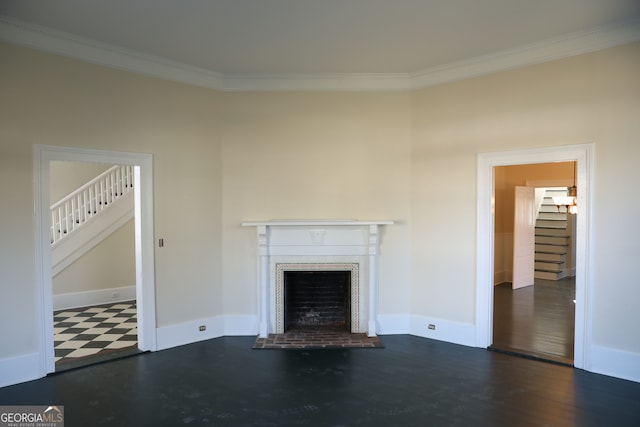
(314, 247)
(317, 300)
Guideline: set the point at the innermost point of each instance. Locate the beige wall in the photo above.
(592, 98)
(66, 177)
(111, 264)
(316, 155)
(223, 158)
(47, 99)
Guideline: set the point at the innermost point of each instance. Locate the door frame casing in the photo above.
(486, 162)
(144, 242)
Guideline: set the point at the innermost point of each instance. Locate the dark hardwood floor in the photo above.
(536, 320)
(411, 382)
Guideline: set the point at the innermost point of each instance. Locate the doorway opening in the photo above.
(143, 246)
(486, 273)
(534, 266)
(93, 262)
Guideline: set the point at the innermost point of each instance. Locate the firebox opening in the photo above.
(317, 299)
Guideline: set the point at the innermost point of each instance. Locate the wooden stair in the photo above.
(551, 239)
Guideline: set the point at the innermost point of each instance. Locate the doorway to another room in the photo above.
(534, 261)
(85, 321)
(488, 242)
(93, 262)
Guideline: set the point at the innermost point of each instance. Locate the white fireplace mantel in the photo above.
(318, 243)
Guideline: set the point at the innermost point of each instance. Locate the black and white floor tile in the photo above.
(91, 331)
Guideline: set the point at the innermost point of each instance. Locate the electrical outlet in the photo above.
(202, 328)
(432, 326)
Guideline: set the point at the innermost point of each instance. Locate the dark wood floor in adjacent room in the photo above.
(411, 382)
(536, 320)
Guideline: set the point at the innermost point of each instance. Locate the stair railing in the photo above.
(89, 200)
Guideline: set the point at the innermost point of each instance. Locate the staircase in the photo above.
(90, 214)
(552, 239)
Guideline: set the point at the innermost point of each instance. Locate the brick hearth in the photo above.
(310, 338)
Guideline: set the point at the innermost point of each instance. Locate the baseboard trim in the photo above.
(241, 325)
(19, 369)
(615, 363)
(97, 297)
(445, 330)
(604, 360)
(189, 332)
(393, 324)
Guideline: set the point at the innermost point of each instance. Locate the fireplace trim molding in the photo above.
(318, 242)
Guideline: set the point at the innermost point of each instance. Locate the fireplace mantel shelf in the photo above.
(314, 222)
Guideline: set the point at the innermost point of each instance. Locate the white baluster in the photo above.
(111, 188)
(73, 215)
(66, 218)
(53, 226)
(85, 202)
(59, 225)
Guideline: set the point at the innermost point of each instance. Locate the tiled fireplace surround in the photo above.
(310, 245)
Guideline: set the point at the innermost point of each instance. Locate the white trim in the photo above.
(445, 330)
(615, 363)
(354, 273)
(95, 297)
(394, 324)
(18, 369)
(336, 241)
(65, 44)
(189, 332)
(239, 325)
(315, 222)
(145, 280)
(583, 154)
(317, 82)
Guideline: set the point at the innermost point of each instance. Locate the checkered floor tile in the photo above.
(89, 331)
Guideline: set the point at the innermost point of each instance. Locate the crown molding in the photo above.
(317, 82)
(536, 53)
(72, 46)
(53, 41)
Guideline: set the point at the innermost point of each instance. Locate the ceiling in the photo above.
(279, 39)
